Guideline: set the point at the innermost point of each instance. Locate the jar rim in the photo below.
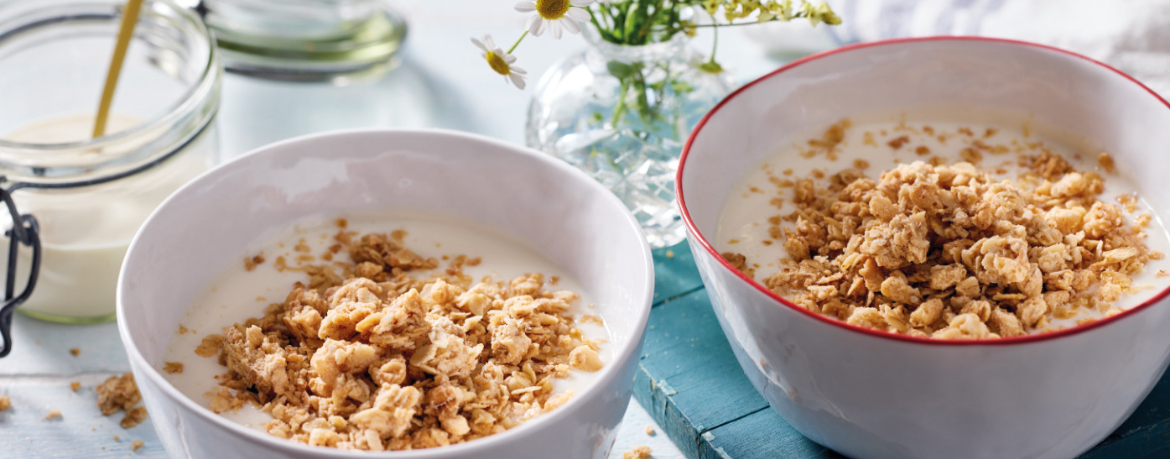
(188, 102)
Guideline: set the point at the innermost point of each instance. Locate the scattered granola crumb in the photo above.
(650, 430)
(75, 385)
(898, 142)
(669, 254)
(1105, 160)
(173, 367)
(75, 351)
(250, 263)
(53, 414)
(121, 393)
(1162, 273)
(183, 330)
(134, 417)
(639, 452)
(210, 346)
(5, 403)
(860, 164)
(134, 445)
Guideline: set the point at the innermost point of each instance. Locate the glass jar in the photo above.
(310, 40)
(621, 113)
(90, 195)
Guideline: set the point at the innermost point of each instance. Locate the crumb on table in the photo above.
(650, 430)
(134, 445)
(5, 403)
(75, 351)
(639, 452)
(53, 414)
(121, 393)
(75, 385)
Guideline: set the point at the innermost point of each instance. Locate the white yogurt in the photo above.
(85, 231)
(239, 294)
(743, 226)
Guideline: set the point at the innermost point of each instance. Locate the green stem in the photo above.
(605, 34)
(620, 108)
(518, 40)
(714, 44)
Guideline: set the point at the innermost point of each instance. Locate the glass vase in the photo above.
(621, 114)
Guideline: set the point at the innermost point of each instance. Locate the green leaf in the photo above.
(622, 70)
(681, 87)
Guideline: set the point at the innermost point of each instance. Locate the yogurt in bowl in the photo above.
(510, 211)
(864, 388)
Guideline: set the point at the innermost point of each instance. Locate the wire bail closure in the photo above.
(25, 231)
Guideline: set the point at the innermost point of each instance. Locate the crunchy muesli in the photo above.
(121, 393)
(5, 403)
(948, 252)
(639, 452)
(365, 355)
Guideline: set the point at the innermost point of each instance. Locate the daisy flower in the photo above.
(554, 15)
(500, 61)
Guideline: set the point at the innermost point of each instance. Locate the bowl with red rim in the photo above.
(869, 393)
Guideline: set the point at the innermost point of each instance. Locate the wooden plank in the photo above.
(685, 378)
(691, 383)
(81, 431)
(763, 434)
(674, 272)
(42, 348)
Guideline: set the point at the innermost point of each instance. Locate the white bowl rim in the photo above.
(608, 373)
(1033, 338)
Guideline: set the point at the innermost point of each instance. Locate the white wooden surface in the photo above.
(441, 83)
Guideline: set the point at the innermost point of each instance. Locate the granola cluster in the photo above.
(120, 393)
(946, 251)
(366, 356)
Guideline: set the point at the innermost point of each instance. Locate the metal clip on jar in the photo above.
(90, 195)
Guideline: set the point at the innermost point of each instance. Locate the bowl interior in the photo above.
(1081, 97)
(557, 211)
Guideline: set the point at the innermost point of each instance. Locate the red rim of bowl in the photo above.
(686, 215)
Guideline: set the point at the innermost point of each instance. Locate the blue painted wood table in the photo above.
(691, 383)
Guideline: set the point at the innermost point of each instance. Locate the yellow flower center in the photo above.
(552, 9)
(497, 63)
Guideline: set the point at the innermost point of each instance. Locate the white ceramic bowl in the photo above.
(873, 394)
(557, 210)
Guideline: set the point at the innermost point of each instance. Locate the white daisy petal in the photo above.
(554, 29)
(478, 43)
(524, 6)
(570, 25)
(517, 80)
(582, 3)
(535, 25)
(489, 42)
(519, 70)
(578, 14)
(509, 58)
